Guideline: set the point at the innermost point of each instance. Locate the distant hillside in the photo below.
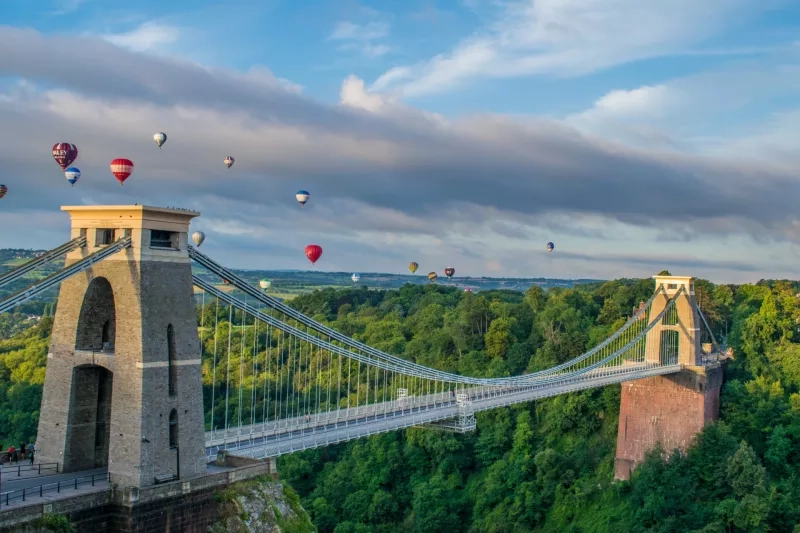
(287, 284)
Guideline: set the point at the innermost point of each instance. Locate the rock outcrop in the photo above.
(260, 505)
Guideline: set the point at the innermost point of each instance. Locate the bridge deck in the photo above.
(388, 416)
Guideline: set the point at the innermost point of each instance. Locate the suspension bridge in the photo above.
(161, 358)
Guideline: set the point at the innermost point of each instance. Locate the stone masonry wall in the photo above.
(148, 297)
(176, 507)
(667, 410)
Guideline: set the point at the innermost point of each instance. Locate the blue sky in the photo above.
(481, 107)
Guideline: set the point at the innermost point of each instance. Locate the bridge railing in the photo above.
(8, 469)
(41, 490)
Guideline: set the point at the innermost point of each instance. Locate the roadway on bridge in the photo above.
(314, 436)
(13, 483)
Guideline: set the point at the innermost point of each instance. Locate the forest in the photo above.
(542, 466)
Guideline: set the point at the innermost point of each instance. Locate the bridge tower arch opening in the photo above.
(89, 418)
(128, 323)
(97, 321)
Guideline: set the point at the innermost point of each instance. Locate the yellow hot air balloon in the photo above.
(413, 266)
(432, 276)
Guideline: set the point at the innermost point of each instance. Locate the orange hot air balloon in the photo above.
(313, 252)
(121, 168)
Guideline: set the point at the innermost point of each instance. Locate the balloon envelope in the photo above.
(160, 138)
(302, 197)
(449, 271)
(265, 284)
(65, 154)
(121, 168)
(198, 237)
(355, 278)
(413, 266)
(432, 276)
(229, 161)
(73, 174)
(313, 252)
(3, 190)
(550, 246)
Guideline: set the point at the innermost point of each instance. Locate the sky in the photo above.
(637, 135)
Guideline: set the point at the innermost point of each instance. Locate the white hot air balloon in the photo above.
(160, 138)
(355, 278)
(265, 284)
(229, 161)
(198, 237)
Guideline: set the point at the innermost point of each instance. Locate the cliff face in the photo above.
(260, 505)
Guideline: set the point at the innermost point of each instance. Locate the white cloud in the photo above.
(64, 7)
(568, 38)
(389, 182)
(146, 37)
(712, 111)
(362, 37)
(371, 31)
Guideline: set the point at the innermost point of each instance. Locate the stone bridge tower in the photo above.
(668, 410)
(123, 381)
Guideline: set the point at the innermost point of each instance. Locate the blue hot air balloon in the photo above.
(73, 174)
(550, 246)
(302, 197)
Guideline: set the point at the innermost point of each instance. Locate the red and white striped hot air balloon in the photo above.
(121, 168)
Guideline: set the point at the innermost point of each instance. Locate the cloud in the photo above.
(707, 111)
(64, 7)
(389, 182)
(362, 37)
(569, 38)
(147, 36)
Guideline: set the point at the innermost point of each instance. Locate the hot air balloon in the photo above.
(467, 290)
(432, 276)
(198, 237)
(550, 246)
(265, 284)
(160, 138)
(313, 252)
(225, 281)
(413, 266)
(3, 190)
(449, 271)
(355, 277)
(302, 197)
(73, 174)
(121, 168)
(229, 161)
(65, 154)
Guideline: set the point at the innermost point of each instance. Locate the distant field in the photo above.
(15, 262)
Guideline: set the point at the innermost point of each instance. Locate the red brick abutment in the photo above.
(667, 410)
